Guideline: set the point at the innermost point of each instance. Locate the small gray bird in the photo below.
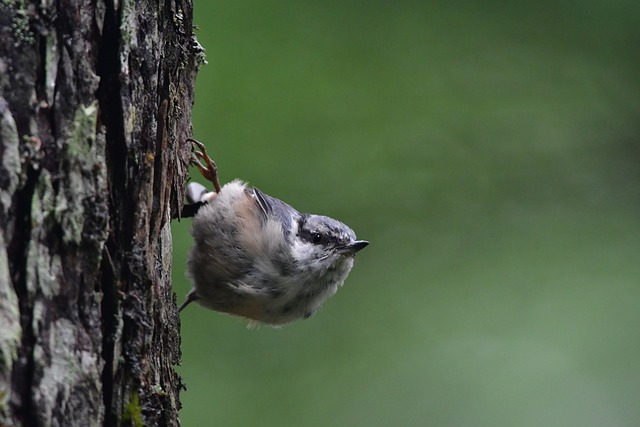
(259, 258)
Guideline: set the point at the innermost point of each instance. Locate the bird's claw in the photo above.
(209, 170)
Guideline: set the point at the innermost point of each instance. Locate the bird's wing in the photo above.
(276, 208)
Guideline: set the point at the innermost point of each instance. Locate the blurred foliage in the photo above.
(490, 153)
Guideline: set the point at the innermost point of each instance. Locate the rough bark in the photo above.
(95, 99)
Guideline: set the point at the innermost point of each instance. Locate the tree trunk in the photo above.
(95, 99)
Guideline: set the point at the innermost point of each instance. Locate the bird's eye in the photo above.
(316, 238)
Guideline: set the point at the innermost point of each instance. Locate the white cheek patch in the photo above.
(303, 252)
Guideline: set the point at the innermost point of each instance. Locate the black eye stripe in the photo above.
(322, 231)
(312, 235)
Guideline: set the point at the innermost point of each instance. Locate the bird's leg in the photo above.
(209, 170)
(191, 297)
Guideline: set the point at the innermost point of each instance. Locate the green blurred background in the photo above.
(490, 153)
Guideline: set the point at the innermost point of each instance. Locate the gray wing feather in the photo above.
(276, 208)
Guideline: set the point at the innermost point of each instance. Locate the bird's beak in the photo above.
(353, 247)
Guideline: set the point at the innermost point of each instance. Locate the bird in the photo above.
(255, 256)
